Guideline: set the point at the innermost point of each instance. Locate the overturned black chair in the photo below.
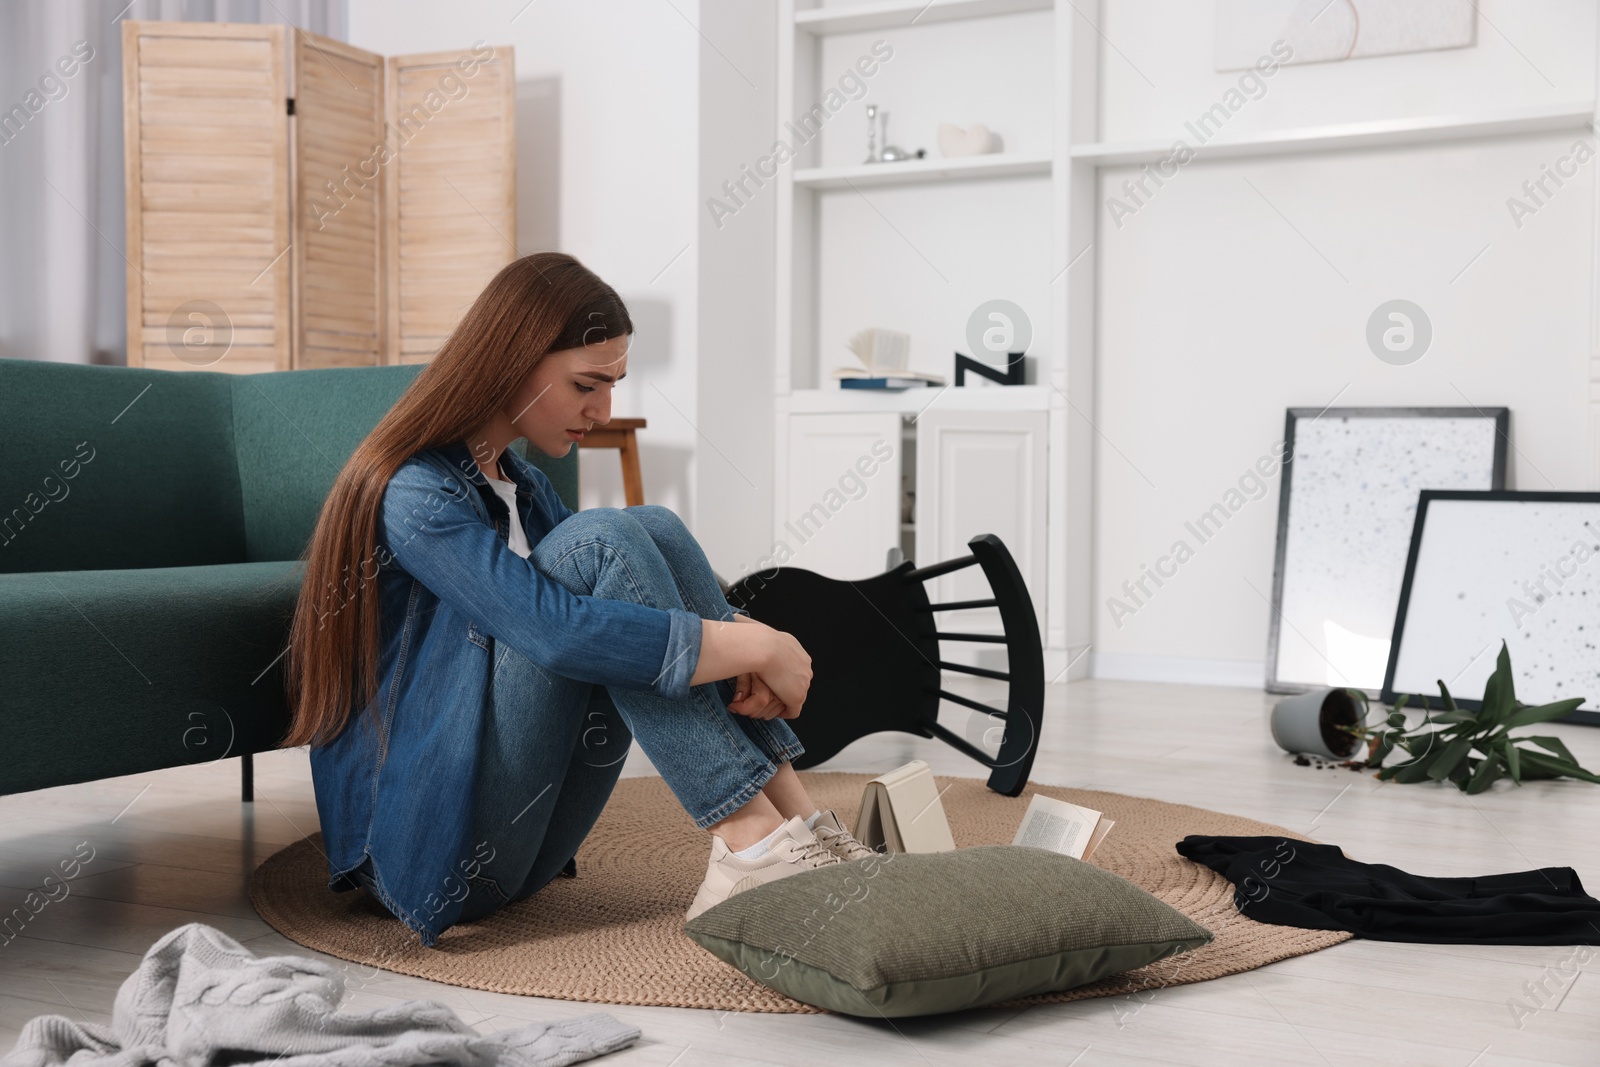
(875, 659)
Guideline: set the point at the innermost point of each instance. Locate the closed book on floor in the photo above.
(901, 810)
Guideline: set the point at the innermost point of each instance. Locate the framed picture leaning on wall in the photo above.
(1348, 495)
(1485, 567)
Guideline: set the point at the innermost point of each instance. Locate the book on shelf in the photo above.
(1062, 827)
(846, 374)
(893, 382)
(884, 355)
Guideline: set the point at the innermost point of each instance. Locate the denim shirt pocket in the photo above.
(477, 636)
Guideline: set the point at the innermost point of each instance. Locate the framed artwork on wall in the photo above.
(1491, 566)
(1348, 497)
(1324, 31)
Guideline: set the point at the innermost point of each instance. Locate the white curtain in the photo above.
(62, 271)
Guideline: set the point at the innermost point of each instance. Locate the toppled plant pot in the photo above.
(1318, 722)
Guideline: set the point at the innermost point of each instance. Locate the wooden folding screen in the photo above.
(207, 176)
(453, 216)
(339, 206)
(350, 222)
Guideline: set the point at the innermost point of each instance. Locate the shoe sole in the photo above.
(704, 901)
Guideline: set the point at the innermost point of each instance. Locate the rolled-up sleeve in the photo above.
(432, 531)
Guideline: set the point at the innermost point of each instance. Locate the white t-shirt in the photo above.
(507, 491)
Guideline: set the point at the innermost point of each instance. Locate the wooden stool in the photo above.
(619, 433)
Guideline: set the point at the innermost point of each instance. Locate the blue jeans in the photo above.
(553, 747)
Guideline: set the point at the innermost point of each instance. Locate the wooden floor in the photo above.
(176, 846)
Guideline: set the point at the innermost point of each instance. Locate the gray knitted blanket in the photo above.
(201, 999)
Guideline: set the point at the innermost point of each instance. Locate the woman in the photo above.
(469, 659)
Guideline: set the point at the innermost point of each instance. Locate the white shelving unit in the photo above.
(996, 165)
(913, 402)
(985, 456)
(1351, 136)
(894, 14)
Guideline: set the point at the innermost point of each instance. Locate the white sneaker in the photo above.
(836, 839)
(726, 874)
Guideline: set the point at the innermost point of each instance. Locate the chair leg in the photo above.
(632, 482)
(247, 778)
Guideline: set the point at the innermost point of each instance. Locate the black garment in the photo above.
(1316, 887)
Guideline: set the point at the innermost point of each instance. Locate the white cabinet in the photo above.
(981, 472)
(839, 507)
(842, 477)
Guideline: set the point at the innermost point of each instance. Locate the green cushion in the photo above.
(114, 467)
(920, 933)
(110, 672)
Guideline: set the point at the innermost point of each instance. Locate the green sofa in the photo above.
(151, 525)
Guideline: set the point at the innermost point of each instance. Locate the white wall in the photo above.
(1242, 287)
(608, 92)
(733, 461)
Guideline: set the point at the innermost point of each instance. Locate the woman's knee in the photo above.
(659, 520)
(590, 518)
(640, 524)
(593, 538)
(610, 526)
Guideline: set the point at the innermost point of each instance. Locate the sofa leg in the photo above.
(247, 778)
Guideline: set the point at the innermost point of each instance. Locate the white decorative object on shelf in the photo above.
(887, 153)
(976, 140)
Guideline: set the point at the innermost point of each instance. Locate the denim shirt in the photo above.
(395, 792)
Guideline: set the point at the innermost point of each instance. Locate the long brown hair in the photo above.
(545, 302)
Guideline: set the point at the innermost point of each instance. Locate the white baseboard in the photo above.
(1062, 665)
(1128, 667)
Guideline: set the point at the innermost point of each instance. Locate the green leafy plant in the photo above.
(1473, 749)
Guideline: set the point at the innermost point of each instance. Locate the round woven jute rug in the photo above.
(614, 934)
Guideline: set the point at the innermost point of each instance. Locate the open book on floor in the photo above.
(1062, 827)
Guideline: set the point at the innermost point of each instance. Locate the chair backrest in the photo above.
(293, 431)
(876, 658)
(125, 467)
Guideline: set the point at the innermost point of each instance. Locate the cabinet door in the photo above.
(340, 149)
(206, 179)
(840, 510)
(451, 190)
(981, 472)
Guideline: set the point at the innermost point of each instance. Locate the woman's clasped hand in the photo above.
(755, 696)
